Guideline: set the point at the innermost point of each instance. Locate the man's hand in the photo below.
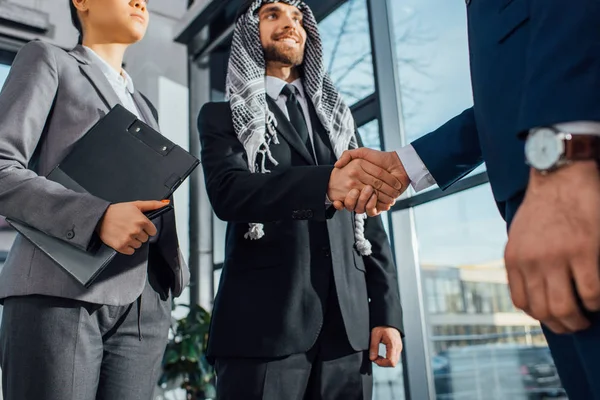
(359, 174)
(125, 228)
(390, 337)
(553, 247)
(389, 161)
(367, 196)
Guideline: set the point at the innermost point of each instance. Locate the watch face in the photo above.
(543, 149)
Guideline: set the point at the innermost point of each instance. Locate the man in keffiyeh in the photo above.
(307, 293)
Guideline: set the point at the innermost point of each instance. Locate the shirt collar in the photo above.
(275, 86)
(111, 74)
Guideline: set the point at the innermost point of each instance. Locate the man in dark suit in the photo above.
(305, 289)
(535, 66)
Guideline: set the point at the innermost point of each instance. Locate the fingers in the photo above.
(389, 352)
(384, 198)
(393, 345)
(376, 335)
(151, 205)
(371, 207)
(338, 205)
(562, 303)
(363, 199)
(381, 207)
(128, 251)
(381, 180)
(143, 237)
(537, 300)
(587, 280)
(352, 199)
(149, 228)
(348, 156)
(516, 282)
(519, 289)
(383, 362)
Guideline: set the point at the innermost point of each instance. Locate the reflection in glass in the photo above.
(433, 64)
(219, 233)
(347, 50)
(481, 346)
(370, 136)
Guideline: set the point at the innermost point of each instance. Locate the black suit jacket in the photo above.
(272, 295)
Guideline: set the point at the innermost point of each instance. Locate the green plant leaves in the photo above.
(184, 356)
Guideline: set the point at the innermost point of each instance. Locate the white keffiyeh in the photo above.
(255, 124)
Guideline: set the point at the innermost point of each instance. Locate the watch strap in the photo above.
(582, 147)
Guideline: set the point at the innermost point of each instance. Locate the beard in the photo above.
(287, 56)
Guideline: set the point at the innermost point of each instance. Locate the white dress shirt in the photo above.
(121, 83)
(421, 178)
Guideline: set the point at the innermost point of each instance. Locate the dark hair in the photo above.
(76, 21)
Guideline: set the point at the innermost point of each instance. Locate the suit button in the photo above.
(326, 252)
(70, 234)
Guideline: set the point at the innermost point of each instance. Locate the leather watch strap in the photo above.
(582, 147)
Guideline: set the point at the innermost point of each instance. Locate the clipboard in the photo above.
(120, 159)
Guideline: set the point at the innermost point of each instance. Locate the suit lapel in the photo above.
(95, 76)
(145, 110)
(285, 128)
(105, 90)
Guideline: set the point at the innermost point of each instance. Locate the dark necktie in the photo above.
(296, 115)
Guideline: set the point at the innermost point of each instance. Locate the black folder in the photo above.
(120, 159)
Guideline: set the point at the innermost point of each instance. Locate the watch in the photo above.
(547, 149)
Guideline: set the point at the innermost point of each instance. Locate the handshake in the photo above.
(367, 181)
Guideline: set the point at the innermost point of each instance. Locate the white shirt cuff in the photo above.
(419, 175)
(580, 127)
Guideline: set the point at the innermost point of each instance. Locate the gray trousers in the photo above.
(61, 349)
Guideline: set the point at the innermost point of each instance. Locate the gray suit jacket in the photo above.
(50, 99)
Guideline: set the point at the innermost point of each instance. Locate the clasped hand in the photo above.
(366, 180)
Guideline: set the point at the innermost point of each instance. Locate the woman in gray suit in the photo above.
(60, 340)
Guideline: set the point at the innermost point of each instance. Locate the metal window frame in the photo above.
(436, 194)
(418, 375)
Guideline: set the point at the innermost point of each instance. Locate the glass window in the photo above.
(481, 351)
(4, 70)
(370, 136)
(347, 50)
(433, 63)
(219, 231)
